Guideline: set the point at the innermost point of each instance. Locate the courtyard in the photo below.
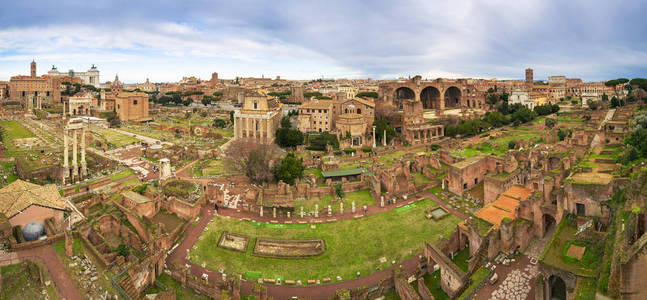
(363, 245)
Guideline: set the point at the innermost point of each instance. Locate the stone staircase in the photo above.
(479, 257)
(126, 284)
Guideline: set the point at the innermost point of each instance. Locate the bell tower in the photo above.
(33, 69)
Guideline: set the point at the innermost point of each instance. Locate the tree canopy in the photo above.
(289, 169)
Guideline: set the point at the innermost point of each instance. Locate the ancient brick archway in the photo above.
(452, 97)
(402, 94)
(548, 223)
(557, 288)
(430, 98)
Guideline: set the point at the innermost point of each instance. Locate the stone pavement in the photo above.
(517, 285)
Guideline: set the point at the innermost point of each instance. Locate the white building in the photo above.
(91, 77)
(521, 97)
(589, 96)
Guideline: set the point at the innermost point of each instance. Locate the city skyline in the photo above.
(380, 40)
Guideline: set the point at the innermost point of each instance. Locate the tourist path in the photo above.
(326, 291)
(62, 280)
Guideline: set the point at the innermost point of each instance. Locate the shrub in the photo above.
(122, 250)
(435, 147)
(512, 144)
(349, 150)
(367, 149)
(550, 122)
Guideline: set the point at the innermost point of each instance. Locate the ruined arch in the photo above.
(430, 98)
(557, 288)
(401, 94)
(452, 97)
(548, 223)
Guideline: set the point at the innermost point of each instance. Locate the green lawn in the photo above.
(14, 130)
(432, 281)
(352, 245)
(23, 281)
(498, 145)
(7, 169)
(420, 178)
(123, 174)
(113, 138)
(182, 293)
(555, 252)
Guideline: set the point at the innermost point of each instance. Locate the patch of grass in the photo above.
(420, 178)
(23, 281)
(121, 175)
(585, 288)
(180, 292)
(351, 245)
(113, 138)
(554, 253)
(432, 281)
(477, 281)
(461, 258)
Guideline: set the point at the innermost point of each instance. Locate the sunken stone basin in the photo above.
(436, 213)
(289, 248)
(233, 242)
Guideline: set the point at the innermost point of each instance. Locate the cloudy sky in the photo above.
(165, 40)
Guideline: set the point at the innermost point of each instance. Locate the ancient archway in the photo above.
(401, 94)
(549, 223)
(452, 97)
(430, 98)
(557, 288)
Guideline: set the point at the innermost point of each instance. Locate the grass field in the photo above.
(7, 169)
(555, 252)
(14, 130)
(113, 138)
(21, 281)
(353, 246)
(497, 145)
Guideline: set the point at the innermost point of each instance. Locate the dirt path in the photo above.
(62, 280)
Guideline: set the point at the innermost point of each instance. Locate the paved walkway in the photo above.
(62, 280)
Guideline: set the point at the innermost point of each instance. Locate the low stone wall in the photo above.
(37, 243)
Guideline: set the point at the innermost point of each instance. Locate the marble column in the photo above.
(374, 142)
(384, 138)
(66, 165)
(84, 166)
(352, 207)
(75, 166)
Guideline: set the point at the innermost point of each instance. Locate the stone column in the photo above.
(75, 166)
(341, 207)
(329, 211)
(66, 166)
(254, 124)
(381, 201)
(269, 130)
(236, 127)
(261, 213)
(374, 142)
(384, 139)
(246, 127)
(316, 210)
(273, 212)
(288, 215)
(301, 211)
(84, 166)
(352, 207)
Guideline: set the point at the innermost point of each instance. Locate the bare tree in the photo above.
(252, 158)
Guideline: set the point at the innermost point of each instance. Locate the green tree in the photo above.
(289, 169)
(289, 137)
(206, 100)
(496, 119)
(550, 122)
(339, 191)
(367, 95)
(638, 139)
(285, 122)
(614, 102)
(122, 250)
(380, 126)
(219, 123)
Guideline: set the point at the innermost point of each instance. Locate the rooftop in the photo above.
(19, 195)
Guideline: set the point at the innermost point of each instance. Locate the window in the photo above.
(134, 102)
(581, 209)
(359, 111)
(255, 105)
(118, 106)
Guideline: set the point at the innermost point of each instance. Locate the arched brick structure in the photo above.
(437, 94)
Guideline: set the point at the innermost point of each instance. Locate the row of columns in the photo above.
(425, 134)
(75, 172)
(247, 127)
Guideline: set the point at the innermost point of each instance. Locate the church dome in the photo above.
(33, 231)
